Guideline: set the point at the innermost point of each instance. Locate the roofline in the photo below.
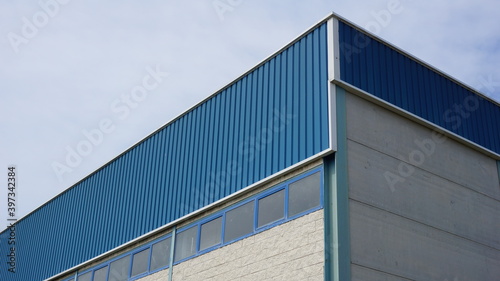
(314, 26)
(235, 195)
(415, 118)
(296, 39)
(406, 53)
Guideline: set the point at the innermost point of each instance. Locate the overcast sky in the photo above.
(67, 67)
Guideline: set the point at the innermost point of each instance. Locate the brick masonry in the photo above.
(291, 251)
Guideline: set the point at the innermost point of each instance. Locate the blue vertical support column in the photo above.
(337, 236)
(498, 167)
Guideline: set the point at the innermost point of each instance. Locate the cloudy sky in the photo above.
(67, 68)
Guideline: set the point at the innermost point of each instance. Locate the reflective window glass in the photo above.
(239, 221)
(85, 277)
(211, 233)
(140, 262)
(101, 274)
(271, 208)
(304, 194)
(160, 253)
(118, 270)
(185, 244)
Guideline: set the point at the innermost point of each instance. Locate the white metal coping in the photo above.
(197, 212)
(363, 94)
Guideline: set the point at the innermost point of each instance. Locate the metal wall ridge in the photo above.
(381, 70)
(193, 107)
(268, 120)
(398, 110)
(413, 57)
(189, 216)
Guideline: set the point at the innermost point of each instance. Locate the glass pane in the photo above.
(211, 233)
(140, 262)
(118, 270)
(271, 208)
(101, 274)
(85, 277)
(185, 244)
(304, 194)
(160, 254)
(239, 221)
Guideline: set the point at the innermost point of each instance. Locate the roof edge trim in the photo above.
(296, 39)
(363, 94)
(243, 191)
(413, 57)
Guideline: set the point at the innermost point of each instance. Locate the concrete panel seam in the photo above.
(427, 170)
(420, 223)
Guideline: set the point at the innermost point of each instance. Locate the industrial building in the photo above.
(339, 157)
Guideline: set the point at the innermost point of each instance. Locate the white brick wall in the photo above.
(160, 275)
(291, 251)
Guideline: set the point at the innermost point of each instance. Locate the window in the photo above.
(304, 194)
(101, 274)
(211, 233)
(140, 262)
(85, 277)
(185, 244)
(295, 197)
(160, 253)
(239, 221)
(118, 270)
(271, 208)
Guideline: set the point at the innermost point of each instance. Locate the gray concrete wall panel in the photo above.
(389, 133)
(360, 273)
(399, 246)
(423, 197)
(421, 207)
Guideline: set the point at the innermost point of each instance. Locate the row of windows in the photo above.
(150, 259)
(294, 198)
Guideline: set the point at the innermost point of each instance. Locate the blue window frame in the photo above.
(239, 221)
(293, 198)
(271, 208)
(210, 233)
(185, 243)
(140, 262)
(304, 194)
(87, 276)
(119, 269)
(160, 255)
(101, 274)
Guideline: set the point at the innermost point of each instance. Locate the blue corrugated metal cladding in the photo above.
(394, 77)
(270, 119)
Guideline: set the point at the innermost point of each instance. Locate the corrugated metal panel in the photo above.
(394, 77)
(272, 118)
